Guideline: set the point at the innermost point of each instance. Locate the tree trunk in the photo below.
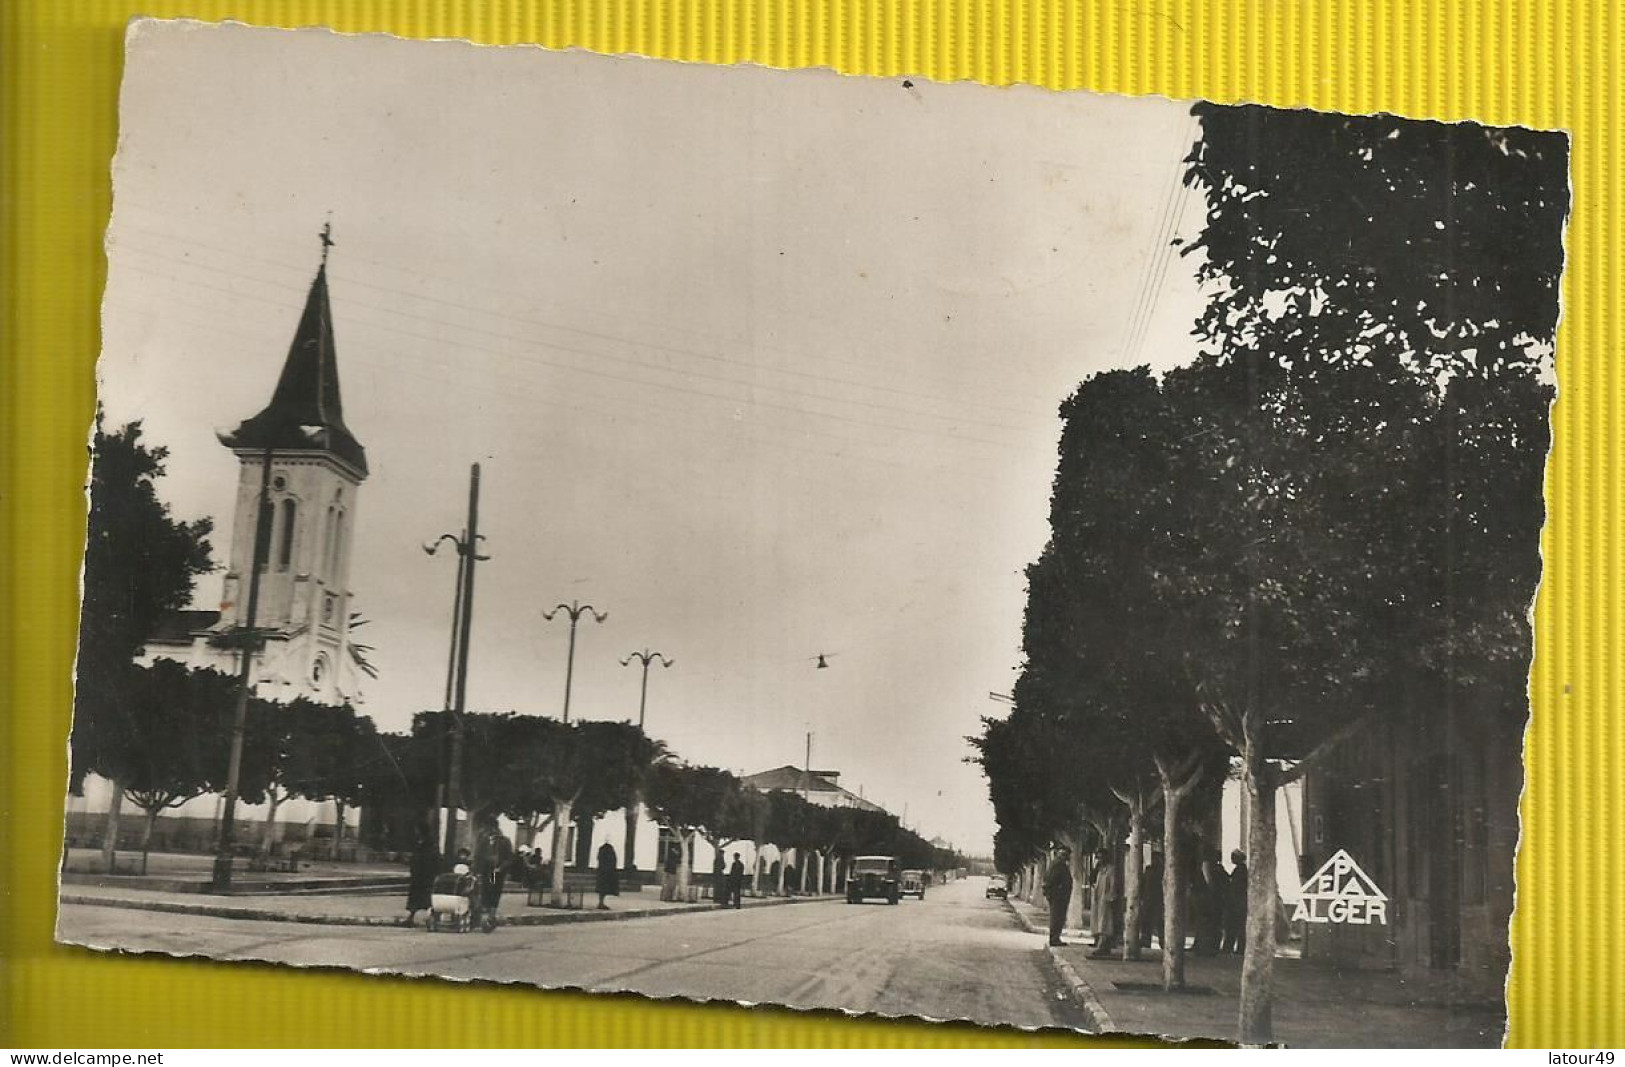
(1173, 910)
(274, 800)
(338, 825)
(1256, 1024)
(561, 828)
(146, 837)
(782, 866)
(1133, 882)
(634, 812)
(110, 832)
(685, 842)
(584, 833)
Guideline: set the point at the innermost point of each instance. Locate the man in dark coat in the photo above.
(1234, 936)
(493, 853)
(1207, 904)
(1151, 897)
(1058, 892)
(607, 882)
(424, 865)
(736, 881)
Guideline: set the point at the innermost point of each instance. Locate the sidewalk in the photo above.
(373, 909)
(1316, 1006)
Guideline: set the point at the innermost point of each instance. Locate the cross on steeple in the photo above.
(327, 239)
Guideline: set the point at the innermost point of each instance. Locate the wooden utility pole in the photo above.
(457, 674)
(247, 640)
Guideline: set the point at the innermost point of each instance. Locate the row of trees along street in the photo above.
(1332, 515)
(161, 733)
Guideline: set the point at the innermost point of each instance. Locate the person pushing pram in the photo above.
(455, 901)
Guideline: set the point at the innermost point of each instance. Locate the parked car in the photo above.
(913, 884)
(872, 876)
(996, 887)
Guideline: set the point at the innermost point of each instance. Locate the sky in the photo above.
(764, 364)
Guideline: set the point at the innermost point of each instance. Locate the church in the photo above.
(301, 457)
(316, 470)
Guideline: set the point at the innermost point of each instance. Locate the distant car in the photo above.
(872, 876)
(913, 884)
(996, 887)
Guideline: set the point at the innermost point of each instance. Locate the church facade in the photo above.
(301, 457)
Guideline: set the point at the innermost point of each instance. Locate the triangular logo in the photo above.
(1340, 892)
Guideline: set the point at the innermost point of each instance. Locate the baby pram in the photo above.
(454, 902)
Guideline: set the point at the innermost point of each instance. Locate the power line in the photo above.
(1156, 267)
(620, 403)
(612, 338)
(573, 368)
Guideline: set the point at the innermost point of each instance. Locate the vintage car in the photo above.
(872, 876)
(913, 884)
(996, 887)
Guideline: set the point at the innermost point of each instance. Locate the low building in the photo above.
(819, 787)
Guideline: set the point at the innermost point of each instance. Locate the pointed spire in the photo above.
(306, 413)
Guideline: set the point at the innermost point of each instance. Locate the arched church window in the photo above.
(327, 543)
(290, 521)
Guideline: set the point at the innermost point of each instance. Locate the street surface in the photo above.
(954, 955)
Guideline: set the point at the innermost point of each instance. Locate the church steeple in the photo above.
(306, 413)
(295, 523)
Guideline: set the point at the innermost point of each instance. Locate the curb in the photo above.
(1093, 1010)
(554, 918)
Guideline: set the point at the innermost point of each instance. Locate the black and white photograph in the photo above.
(996, 555)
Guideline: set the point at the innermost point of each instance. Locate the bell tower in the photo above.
(306, 526)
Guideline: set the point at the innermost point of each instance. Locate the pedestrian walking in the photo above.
(1105, 914)
(736, 881)
(421, 871)
(1233, 936)
(1058, 892)
(607, 883)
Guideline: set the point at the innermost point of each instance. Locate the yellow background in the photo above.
(1549, 64)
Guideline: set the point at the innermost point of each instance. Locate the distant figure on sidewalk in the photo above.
(424, 865)
(608, 880)
(1151, 894)
(1058, 892)
(736, 882)
(1207, 905)
(668, 881)
(1106, 913)
(1234, 919)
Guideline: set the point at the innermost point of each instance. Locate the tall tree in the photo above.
(140, 563)
(1360, 269)
(694, 800)
(179, 724)
(583, 768)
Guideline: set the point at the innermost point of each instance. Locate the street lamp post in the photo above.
(634, 810)
(467, 548)
(645, 657)
(575, 610)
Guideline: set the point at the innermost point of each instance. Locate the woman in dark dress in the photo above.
(607, 882)
(424, 865)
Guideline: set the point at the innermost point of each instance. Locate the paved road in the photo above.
(954, 955)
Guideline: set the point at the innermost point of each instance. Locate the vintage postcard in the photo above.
(1039, 559)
